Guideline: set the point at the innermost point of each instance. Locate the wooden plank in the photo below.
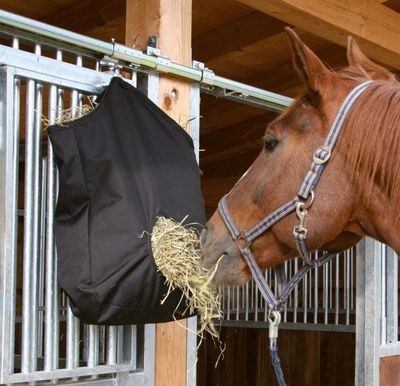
(375, 26)
(33, 8)
(170, 21)
(211, 14)
(389, 371)
(83, 16)
(308, 358)
(261, 55)
(235, 36)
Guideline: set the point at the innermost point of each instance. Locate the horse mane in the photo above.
(372, 140)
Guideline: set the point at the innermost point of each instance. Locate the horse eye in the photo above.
(270, 143)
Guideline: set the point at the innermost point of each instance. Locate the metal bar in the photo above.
(209, 81)
(30, 248)
(368, 313)
(132, 345)
(51, 294)
(286, 304)
(337, 289)
(325, 296)
(93, 346)
(191, 349)
(40, 212)
(316, 292)
(290, 326)
(72, 321)
(37, 376)
(296, 292)
(247, 301)
(237, 302)
(391, 297)
(111, 358)
(352, 293)
(149, 352)
(382, 250)
(9, 154)
(347, 285)
(228, 302)
(36, 27)
(41, 263)
(389, 350)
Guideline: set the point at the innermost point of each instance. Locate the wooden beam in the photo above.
(375, 26)
(170, 21)
(235, 36)
(83, 16)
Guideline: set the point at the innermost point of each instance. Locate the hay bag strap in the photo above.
(121, 167)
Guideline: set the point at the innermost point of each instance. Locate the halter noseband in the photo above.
(301, 203)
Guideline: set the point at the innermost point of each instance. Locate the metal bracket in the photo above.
(208, 76)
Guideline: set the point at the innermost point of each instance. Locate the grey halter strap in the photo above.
(300, 204)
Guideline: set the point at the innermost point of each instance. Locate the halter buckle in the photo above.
(323, 150)
(242, 242)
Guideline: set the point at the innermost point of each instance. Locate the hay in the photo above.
(68, 115)
(176, 252)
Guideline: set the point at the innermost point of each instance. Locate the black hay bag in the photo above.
(120, 167)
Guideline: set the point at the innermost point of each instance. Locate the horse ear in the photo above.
(356, 58)
(306, 62)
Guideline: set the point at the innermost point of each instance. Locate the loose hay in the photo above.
(68, 115)
(176, 252)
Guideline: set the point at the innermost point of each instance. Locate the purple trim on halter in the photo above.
(272, 219)
(316, 169)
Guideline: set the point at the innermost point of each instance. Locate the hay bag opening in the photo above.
(176, 251)
(121, 167)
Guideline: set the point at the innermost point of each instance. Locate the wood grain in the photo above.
(171, 23)
(373, 24)
(308, 359)
(389, 371)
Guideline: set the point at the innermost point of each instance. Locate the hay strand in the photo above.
(176, 252)
(65, 116)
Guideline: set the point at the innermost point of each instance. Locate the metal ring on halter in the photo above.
(310, 200)
(324, 149)
(274, 317)
(242, 242)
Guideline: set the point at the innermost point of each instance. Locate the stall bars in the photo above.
(40, 338)
(323, 301)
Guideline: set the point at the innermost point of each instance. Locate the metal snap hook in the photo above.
(274, 319)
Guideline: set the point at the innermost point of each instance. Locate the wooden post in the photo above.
(171, 22)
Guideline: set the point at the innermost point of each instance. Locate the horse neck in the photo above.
(372, 142)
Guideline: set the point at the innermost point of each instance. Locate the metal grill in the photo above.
(40, 338)
(324, 300)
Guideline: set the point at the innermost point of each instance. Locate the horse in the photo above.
(357, 195)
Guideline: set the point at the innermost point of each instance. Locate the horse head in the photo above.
(337, 218)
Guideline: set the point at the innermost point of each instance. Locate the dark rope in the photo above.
(276, 363)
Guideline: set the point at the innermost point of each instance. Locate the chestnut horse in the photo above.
(359, 192)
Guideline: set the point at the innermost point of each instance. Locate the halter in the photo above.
(301, 204)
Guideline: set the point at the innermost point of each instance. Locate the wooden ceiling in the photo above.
(235, 41)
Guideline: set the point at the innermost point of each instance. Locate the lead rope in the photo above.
(274, 319)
